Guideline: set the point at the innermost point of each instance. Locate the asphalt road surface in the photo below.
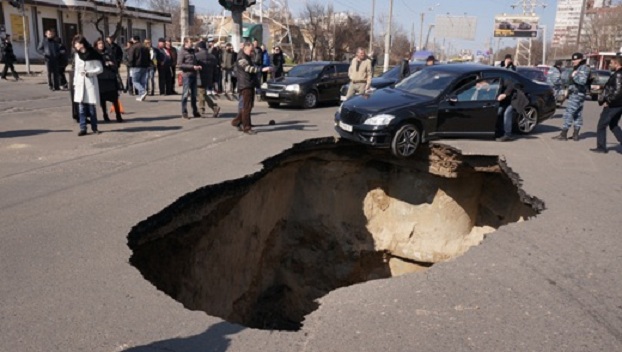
(67, 203)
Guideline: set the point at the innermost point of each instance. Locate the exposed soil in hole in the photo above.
(260, 250)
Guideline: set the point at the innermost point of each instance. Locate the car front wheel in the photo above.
(528, 120)
(406, 141)
(310, 100)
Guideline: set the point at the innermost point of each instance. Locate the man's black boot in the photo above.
(563, 136)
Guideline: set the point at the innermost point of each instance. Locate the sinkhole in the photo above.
(260, 250)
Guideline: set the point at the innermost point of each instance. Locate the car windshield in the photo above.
(306, 71)
(429, 83)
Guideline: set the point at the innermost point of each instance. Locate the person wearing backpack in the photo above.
(578, 88)
(8, 57)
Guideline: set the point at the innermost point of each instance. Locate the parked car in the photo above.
(533, 73)
(388, 78)
(307, 84)
(505, 25)
(599, 79)
(439, 101)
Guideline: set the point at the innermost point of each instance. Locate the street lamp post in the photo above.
(387, 39)
(431, 8)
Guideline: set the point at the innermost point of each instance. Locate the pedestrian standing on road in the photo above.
(508, 63)
(50, 49)
(265, 62)
(247, 74)
(107, 81)
(153, 64)
(63, 62)
(187, 63)
(88, 64)
(257, 61)
(139, 62)
(9, 57)
(227, 64)
(554, 78)
(129, 86)
(360, 74)
(577, 90)
(173, 54)
(278, 61)
(207, 61)
(164, 69)
(506, 111)
(611, 100)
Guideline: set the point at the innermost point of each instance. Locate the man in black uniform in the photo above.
(9, 57)
(611, 99)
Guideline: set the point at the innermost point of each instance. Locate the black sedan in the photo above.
(387, 79)
(439, 101)
(307, 84)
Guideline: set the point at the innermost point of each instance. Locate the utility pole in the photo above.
(371, 30)
(387, 39)
(412, 38)
(184, 19)
(543, 44)
(581, 18)
(421, 32)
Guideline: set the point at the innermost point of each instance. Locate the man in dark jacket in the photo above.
(49, 47)
(207, 61)
(611, 100)
(278, 60)
(115, 50)
(228, 63)
(165, 81)
(9, 57)
(246, 72)
(508, 63)
(139, 61)
(172, 51)
(187, 63)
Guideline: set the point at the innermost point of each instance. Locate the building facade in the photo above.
(71, 17)
(568, 20)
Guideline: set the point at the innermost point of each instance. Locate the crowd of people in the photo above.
(207, 69)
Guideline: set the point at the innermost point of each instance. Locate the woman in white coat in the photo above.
(88, 64)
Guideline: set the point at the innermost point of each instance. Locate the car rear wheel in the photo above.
(310, 100)
(406, 141)
(274, 105)
(528, 120)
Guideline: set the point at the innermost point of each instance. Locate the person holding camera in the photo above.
(611, 100)
(9, 57)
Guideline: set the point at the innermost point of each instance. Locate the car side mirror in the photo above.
(452, 99)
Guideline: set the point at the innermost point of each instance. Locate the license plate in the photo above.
(272, 95)
(345, 127)
(595, 87)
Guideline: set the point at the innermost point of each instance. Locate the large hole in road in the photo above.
(259, 251)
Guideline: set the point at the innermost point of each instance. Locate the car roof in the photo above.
(528, 68)
(323, 63)
(466, 68)
(604, 72)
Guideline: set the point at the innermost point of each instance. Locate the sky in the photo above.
(407, 12)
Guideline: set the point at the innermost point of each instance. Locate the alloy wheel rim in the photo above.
(407, 141)
(527, 120)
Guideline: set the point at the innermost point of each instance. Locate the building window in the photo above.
(142, 33)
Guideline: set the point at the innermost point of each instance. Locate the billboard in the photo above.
(516, 26)
(455, 27)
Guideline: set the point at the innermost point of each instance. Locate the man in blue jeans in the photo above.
(506, 110)
(190, 68)
(139, 61)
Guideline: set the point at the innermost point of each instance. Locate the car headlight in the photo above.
(293, 88)
(379, 120)
(264, 85)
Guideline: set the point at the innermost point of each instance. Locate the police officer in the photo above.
(611, 98)
(578, 87)
(554, 77)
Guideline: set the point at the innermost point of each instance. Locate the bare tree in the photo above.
(602, 29)
(316, 19)
(350, 33)
(174, 8)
